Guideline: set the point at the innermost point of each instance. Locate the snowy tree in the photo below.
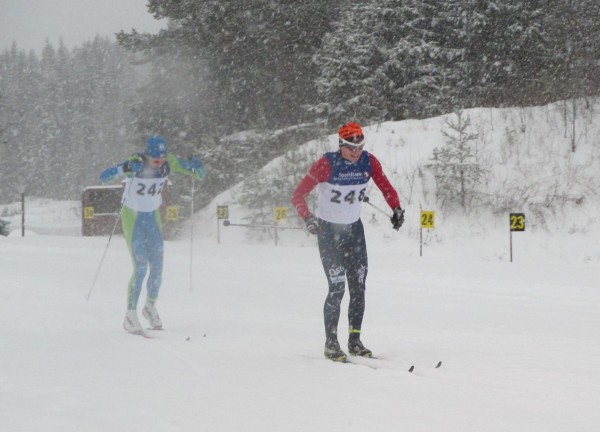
(457, 172)
(256, 56)
(500, 43)
(66, 114)
(575, 47)
(384, 60)
(351, 84)
(273, 186)
(20, 87)
(102, 118)
(226, 66)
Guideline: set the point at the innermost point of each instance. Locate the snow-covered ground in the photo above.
(242, 349)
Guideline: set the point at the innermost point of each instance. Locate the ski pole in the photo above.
(108, 243)
(227, 223)
(104, 254)
(192, 228)
(366, 199)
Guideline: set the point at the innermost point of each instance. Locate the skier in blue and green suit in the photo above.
(146, 175)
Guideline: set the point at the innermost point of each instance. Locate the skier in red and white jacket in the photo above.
(341, 179)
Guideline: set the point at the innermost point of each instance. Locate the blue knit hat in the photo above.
(156, 147)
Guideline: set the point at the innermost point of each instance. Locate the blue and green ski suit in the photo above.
(141, 220)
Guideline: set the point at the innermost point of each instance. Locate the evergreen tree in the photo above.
(351, 83)
(256, 56)
(573, 48)
(426, 59)
(385, 60)
(20, 87)
(65, 114)
(273, 186)
(457, 172)
(101, 99)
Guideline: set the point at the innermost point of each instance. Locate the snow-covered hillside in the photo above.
(529, 166)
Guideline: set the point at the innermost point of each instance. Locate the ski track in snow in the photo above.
(518, 341)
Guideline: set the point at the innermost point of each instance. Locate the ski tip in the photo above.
(340, 359)
(439, 364)
(411, 368)
(142, 334)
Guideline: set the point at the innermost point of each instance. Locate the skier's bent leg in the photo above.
(331, 310)
(356, 306)
(155, 247)
(133, 231)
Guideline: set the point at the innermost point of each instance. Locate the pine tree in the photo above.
(19, 83)
(385, 60)
(573, 48)
(351, 85)
(65, 114)
(256, 56)
(455, 166)
(273, 186)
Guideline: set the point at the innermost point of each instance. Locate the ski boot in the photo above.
(131, 322)
(356, 348)
(334, 352)
(151, 314)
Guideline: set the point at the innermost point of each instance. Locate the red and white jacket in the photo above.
(341, 187)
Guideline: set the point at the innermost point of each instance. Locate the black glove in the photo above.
(397, 218)
(134, 166)
(312, 225)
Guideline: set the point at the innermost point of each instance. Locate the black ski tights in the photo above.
(344, 255)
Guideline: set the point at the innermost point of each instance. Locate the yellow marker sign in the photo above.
(172, 213)
(222, 212)
(88, 212)
(280, 214)
(427, 219)
(517, 221)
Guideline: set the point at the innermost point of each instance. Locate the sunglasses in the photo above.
(353, 141)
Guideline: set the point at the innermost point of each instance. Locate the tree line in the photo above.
(286, 71)
(273, 64)
(63, 116)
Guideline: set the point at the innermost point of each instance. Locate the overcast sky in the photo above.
(30, 22)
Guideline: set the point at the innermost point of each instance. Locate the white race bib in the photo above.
(144, 194)
(340, 203)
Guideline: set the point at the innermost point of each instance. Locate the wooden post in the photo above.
(510, 231)
(22, 214)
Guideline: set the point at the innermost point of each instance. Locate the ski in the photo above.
(375, 362)
(161, 333)
(437, 366)
(141, 333)
(381, 363)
